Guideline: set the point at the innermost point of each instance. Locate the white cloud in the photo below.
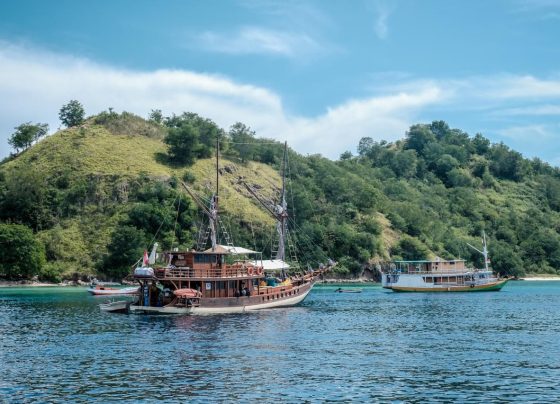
(256, 40)
(520, 87)
(384, 117)
(537, 110)
(538, 133)
(382, 10)
(381, 28)
(35, 84)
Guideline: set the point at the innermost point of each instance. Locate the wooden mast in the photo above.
(215, 207)
(282, 212)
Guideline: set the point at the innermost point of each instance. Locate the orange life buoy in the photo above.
(250, 270)
(259, 270)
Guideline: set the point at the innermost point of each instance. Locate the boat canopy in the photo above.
(223, 249)
(272, 265)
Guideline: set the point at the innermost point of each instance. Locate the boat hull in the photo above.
(113, 292)
(488, 287)
(228, 305)
(116, 307)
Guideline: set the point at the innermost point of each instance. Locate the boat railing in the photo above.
(436, 272)
(228, 272)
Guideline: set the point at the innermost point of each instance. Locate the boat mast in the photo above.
(282, 212)
(484, 251)
(278, 211)
(214, 205)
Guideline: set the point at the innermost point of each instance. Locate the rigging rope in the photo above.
(176, 220)
(159, 228)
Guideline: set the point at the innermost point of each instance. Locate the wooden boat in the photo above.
(224, 278)
(340, 290)
(105, 290)
(441, 276)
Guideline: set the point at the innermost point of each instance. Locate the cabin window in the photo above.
(205, 258)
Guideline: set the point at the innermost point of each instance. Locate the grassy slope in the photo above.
(92, 149)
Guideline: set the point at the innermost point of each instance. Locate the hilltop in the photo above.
(97, 194)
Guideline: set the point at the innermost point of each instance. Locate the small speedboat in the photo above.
(104, 291)
(120, 306)
(340, 290)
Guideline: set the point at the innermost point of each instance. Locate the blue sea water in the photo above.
(376, 346)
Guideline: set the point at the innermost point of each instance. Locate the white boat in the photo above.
(441, 276)
(104, 291)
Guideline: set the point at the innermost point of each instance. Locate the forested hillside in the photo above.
(89, 199)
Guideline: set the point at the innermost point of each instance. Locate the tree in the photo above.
(156, 116)
(505, 260)
(404, 163)
(26, 134)
(72, 114)
(418, 137)
(126, 247)
(26, 198)
(439, 128)
(191, 136)
(364, 146)
(182, 143)
(481, 144)
(22, 255)
(243, 138)
(410, 249)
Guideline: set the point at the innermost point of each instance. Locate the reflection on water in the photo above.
(55, 345)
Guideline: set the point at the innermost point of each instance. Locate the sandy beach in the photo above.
(541, 278)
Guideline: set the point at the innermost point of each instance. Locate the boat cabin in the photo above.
(425, 266)
(222, 272)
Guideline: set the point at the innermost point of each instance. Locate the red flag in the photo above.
(145, 257)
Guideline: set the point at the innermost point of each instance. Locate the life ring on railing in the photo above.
(250, 270)
(472, 285)
(259, 270)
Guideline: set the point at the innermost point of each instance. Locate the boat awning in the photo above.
(272, 265)
(224, 249)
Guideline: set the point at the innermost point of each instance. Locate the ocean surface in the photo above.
(375, 346)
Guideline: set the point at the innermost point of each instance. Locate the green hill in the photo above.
(97, 195)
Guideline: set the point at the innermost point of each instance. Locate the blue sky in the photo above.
(321, 74)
